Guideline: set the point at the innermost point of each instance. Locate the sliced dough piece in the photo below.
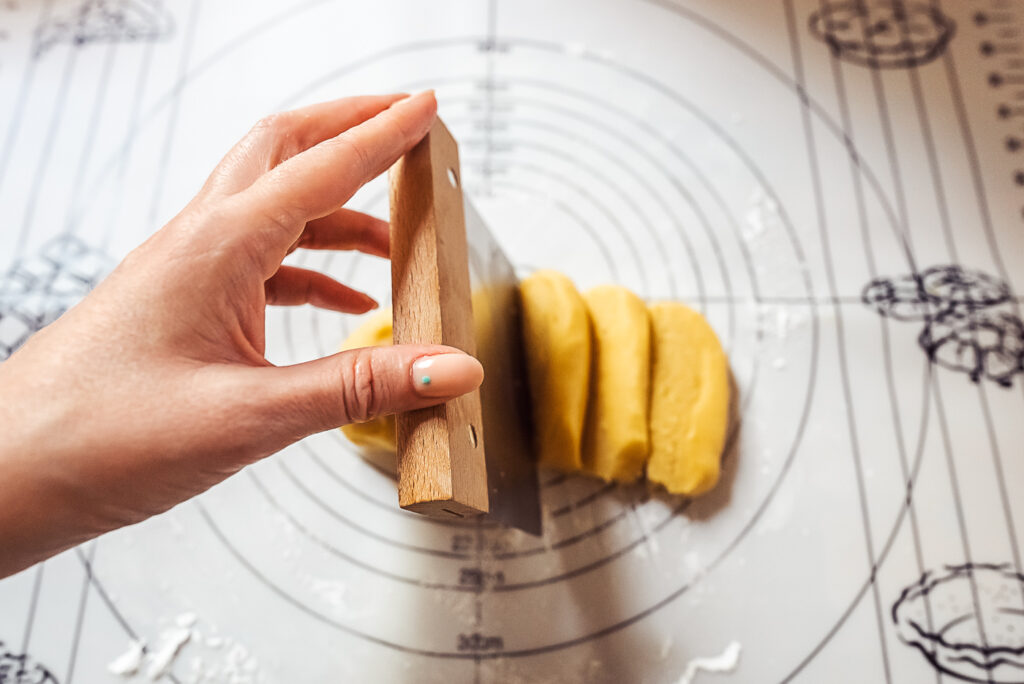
(615, 440)
(556, 341)
(377, 434)
(374, 332)
(689, 400)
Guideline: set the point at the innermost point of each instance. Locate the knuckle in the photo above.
(362, 396)
(399, 130)
(272, 124)
(361, 158)
(275, 222)
(275, 133)
(280, 219)
(253, 231)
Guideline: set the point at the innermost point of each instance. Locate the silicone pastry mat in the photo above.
(836, 185)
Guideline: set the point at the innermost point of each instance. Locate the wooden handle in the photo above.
(441, 468)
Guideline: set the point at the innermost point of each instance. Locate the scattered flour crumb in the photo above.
(214, 659)
(725, 662)
(127, 664)
(762, 215)
(666, 647)
(779, 363)
(185, 620)
(171, 642)
(331, 591)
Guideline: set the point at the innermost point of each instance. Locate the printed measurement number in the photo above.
(479, 643)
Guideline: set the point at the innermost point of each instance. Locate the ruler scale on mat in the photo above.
(770, 163)
(453, 285)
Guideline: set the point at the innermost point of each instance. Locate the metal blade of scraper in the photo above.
(511, 467)
(470, 455)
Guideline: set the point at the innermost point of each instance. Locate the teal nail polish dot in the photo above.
(425, 380)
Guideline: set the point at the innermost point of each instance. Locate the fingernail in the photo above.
(446, 375)
(416, 96)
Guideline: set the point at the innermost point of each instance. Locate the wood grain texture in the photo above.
(441, 468)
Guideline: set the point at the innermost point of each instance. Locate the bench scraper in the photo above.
(452, 284)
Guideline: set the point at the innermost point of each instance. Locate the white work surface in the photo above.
(719, 152)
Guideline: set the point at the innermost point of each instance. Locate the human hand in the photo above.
(155, 387)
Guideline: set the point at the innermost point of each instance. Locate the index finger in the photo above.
(318, 181)
(281, 136)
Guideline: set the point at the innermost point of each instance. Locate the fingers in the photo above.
(292, 286)
(347, 229)
(318, 181)
(361, 384)
(281, 136)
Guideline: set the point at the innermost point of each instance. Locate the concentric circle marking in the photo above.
(537, 171)
(412, 50)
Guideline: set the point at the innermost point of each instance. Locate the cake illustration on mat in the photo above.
(968, 621)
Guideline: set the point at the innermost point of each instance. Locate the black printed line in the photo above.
(489, 86)
(584, 225)
(33, 603)
(839, 300)
(478, 603)
(109, 603)
(980, 192)
(981, 199)
(933, 161)
(172, 119)
(884, 553)
(590, 199)
(491, 47)
(997, 463)
(587, 141)
(890, 374)
(624, 196)
(613, 189)
(43, 162)
(681, 188)
(994, 450)
(80, 617)
(823, 230)
(954, 483)
(90, 136)
(886, 120)
(890, 148)
(125, 153)
(28, 77)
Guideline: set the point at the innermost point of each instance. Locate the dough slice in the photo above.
(556, 342)
(377, 434)
(615, 440)
(689, 400)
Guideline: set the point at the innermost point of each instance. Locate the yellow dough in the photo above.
(377, 434)
(689, 400)
(615, 385)
(556, 340)
(374, 332)
(615, 440)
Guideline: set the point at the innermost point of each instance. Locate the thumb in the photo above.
(360, 384)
